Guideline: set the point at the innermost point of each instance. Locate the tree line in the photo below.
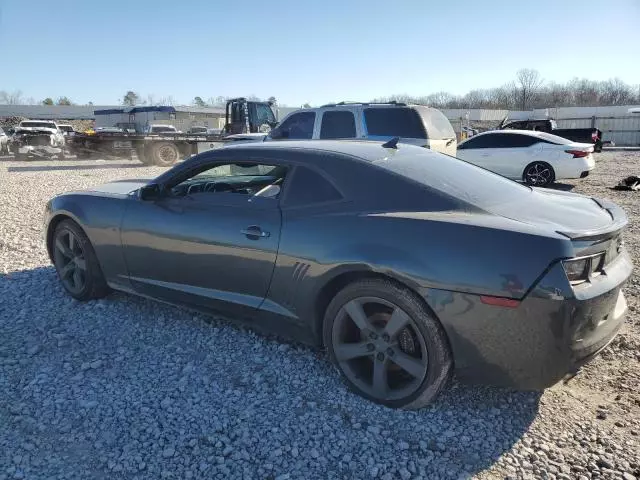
(529, 90)
(132, 98)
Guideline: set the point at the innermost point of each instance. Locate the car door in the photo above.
(477, 150)
(505, 153)
(205, 243)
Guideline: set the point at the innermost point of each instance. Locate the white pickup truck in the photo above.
(38, 138)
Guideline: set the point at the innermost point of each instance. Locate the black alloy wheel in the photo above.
(76, 263)
(387, 345)
(539, 174)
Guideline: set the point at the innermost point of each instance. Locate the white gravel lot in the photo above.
(128, 388)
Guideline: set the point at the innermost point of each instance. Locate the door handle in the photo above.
(254, 232)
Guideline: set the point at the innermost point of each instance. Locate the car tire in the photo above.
(165, 154)
(539, 174)
(76, 263)
(419, 345)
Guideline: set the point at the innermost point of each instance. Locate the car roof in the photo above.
(531, 133)
(369, 150)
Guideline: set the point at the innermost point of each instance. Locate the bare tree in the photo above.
(616, 92)
(585, 92)
(11, 98)
(528, 82)
(64, 101)
(167, 100)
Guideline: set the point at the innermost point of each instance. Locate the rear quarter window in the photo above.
(394, 122)
(308, 187)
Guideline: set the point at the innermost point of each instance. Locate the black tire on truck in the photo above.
(164, 154)
(597, 147)
(143, 156)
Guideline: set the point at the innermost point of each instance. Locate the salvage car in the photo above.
(4, 142)
(536, 158)
(405, 264)
(37, 138)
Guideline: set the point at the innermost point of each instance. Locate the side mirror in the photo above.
(278, 133)
(153, 191)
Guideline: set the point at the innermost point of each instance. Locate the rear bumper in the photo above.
(551, 334)
(574, 167)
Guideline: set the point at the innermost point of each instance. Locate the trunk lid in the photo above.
(572, 215)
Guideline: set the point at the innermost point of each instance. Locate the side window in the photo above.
(338, 124)
(481, 141)
(511, 140)
(264, 114)
(308, 187)
(522, 141)
(297, 126)
(250, 179)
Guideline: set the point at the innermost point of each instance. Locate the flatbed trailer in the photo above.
(151, 149)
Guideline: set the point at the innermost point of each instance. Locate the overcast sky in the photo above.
(307, 51)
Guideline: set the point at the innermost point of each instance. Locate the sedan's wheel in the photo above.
(538, 174)
(387, 345)
(165, 154)
(76, 263)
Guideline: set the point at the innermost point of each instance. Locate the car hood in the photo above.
(570, 214)
(122, 187)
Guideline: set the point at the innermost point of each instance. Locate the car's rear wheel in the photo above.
(539, 174)
(76, 263)
(165, 154)
(386, 343)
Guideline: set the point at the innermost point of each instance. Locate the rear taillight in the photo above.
(578, 153)
(594, 136)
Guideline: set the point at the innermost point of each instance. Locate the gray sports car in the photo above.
(403, 263)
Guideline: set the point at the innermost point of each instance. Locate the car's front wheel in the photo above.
(76, 263)
(539, 174)
(387, 344)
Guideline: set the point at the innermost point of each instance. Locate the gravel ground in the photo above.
(129, 388)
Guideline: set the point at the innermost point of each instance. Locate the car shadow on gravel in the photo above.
(564, 187)
(52, 168)
(281, 401)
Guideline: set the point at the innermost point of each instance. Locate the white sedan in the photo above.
(537, 158)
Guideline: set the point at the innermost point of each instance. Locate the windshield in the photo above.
(453, 176)
(38, 125)
(236, 170)
(66, 128)
(163, 129)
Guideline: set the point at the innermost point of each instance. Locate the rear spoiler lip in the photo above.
(619, 222)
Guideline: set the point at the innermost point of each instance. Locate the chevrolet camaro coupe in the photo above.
(405, 264)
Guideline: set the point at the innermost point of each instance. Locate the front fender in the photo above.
(100, 217)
